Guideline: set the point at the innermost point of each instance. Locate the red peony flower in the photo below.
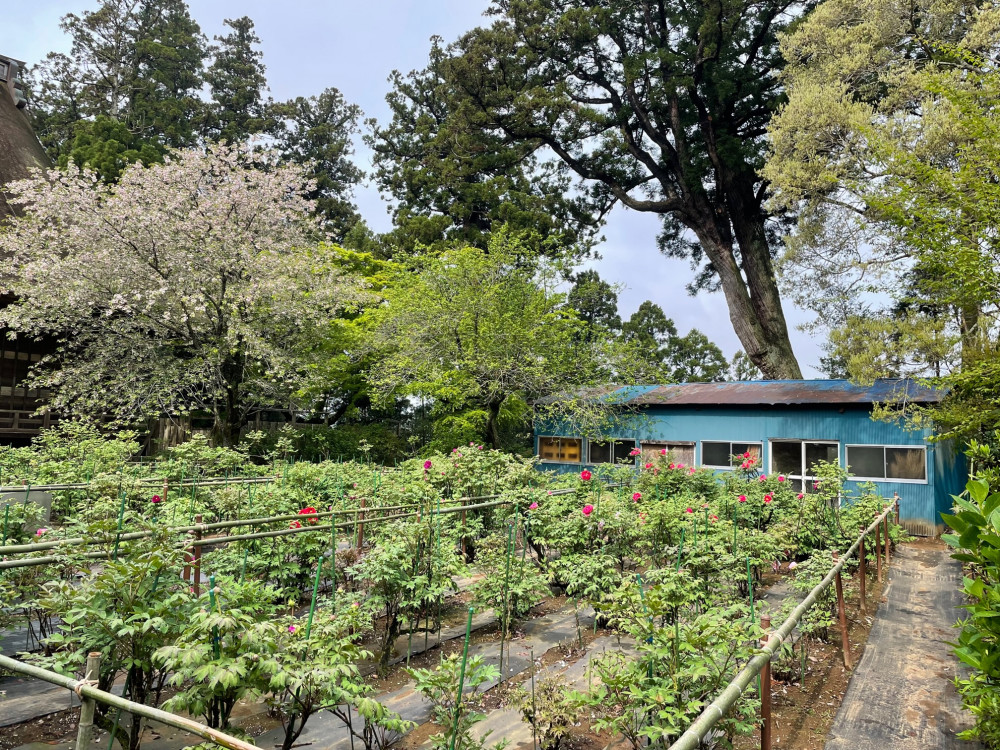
(588, 509)
(649, 466)
(636, 497)
(799, 496)
(295, 525)
(663, 451)
(155, 499)
(427, 465)
(781, 479)
(767, 499)
(743, 498)
(689, 510)
(585, 475)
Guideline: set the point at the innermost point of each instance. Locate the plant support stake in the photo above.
(461, 678)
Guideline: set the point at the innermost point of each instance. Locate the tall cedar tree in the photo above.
(453, 179)
(661, 107)
(317, 131)
(127, 91)
(237, 82)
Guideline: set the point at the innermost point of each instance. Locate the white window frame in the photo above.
(635, 444)
(583, 444)
(886, 480)
(802, 456)
(701, 451)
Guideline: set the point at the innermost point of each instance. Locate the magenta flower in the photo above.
(745, 465)
(291, 628)
(663, 451)
(649, 466)
(533, 506)
(793, 565)
(427, 465)
(636, 497)
(781, 479)
(691, 470)
(743, 498)
(588, 509)
(767, 499)
(680, 466)
(634, 452)
(41, 531)
(762, 478)
(155, 499)
(673, 466)
(689, 510)
(585, 475)
(799, 496)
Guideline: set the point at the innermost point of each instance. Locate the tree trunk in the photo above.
(492, 429)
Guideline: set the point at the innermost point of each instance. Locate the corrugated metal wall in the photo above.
(921, 503)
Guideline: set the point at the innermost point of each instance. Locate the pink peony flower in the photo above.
(585, 475)
(663, 451)
(745, 465)
(634, 452)
(673, 466)
(427, 465)
(588, 509)
(762, 478)
(291, 628)
(636, 497)
(746, 455)
(799, 496)
(532, 506)
(743, 498)
(689, 510)
(649, 466)
(680, 466)
(781, 479)
(41, 531)
(815, 485)
(691, 471)
(767, 499)
(156, 499)
(793, 565)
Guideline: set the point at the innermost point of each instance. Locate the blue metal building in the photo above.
(789, 424)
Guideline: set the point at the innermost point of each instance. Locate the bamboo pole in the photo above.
(842, 618)
(85, 726)
(85, 690)
(765, 690)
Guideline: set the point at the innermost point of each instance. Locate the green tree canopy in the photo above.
(237, 83)
(595, 301)
(127, 91)
(476, 329)
(316, 132)
(669, 357)
(452, 179)
(660, 107)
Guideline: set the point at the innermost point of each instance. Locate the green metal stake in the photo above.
(735, 518)
(461, 678)
(506, 594)
(6, 518)
(534, 735)
(333, 561)
(750, 590)
(312, 604)
(680, 551)
(211, 604)
(121, 517)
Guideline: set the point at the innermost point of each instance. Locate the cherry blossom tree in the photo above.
(197, 284)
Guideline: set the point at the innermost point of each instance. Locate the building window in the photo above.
(898, 463)
(560, 449)
(613, 451)
(719, 455)
(680, 452)
(796, 460)
(4, 70)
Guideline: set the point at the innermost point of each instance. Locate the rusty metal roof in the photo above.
(766, 393)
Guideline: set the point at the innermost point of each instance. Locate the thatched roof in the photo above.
(20, 150)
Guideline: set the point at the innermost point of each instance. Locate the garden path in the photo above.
(901, 695)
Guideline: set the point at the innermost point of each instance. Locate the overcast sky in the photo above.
(312, 44)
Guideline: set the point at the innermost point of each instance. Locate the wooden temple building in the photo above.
(20, 152)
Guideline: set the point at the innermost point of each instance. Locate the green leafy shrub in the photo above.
(976, 522)
(457, 718)
(511, 585)
(549, 709)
